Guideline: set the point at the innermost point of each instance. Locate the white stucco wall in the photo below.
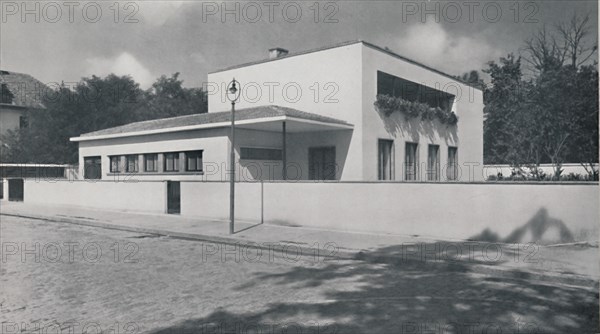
(213, 142)
(467, 135)
(329, 82)
(445, 211)
(352, 69)
(147, 197)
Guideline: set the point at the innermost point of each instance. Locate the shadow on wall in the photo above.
(541, 228)
(402, 297)
(412, 128)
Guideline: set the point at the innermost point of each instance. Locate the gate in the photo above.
(173, 197)
(15, 190)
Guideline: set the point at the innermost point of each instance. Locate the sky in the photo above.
(65, 41)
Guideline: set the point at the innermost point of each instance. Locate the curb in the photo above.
(339, 254)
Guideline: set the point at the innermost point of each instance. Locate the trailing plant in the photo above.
(388, 104)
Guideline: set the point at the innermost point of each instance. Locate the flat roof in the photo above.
(338, 45)
(212, 120)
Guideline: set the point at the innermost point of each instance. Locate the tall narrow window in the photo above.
(172, 162)
(410, 162)
(193, 161)
(150, 162)
(433, 163)
(386, 159)
(452, 170)
(115, 164)
(132, 163)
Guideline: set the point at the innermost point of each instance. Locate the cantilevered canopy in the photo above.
(264, 118)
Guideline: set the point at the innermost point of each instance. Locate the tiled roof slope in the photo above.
(214, 117)
(27, 90)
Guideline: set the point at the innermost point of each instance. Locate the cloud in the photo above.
(123, 64)
(157, 12)
(198, 57)
(430, 44)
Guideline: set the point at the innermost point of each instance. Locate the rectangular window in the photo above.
(1, 189)
(433, 163)
(193, 161)
(151, 162)
(252, 153)
(115, 164)
(386, 159)
(23, 122)
(172, 162)
(132, 163)
(92, 168)
(391, 85)
(452, 170)
(410, 162)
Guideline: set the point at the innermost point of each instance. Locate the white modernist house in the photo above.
(315, 113)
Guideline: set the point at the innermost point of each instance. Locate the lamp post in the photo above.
(233, 94)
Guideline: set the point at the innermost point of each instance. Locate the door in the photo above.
(321, 163)
(173, 197)
(385, 160)
(15, 190)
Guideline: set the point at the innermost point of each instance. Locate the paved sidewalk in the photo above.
(567, 264)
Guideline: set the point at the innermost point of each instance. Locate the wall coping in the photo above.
(546, 183)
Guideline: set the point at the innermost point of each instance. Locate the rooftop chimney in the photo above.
(277, 52)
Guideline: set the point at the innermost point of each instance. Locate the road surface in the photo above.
(62, 278)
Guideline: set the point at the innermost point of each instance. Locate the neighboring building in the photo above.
(19, 94)
(313, 112)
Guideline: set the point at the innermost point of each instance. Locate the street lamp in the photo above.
(233, 94)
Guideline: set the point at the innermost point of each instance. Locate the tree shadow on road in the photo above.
(406, 296)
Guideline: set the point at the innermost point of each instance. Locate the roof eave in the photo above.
(210, 126)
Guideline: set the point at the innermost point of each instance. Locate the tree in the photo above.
(504, 105)
(552, 117)
(574, 34)
(553, 112)
(473, 78)
(94, 104)
(168, 98)
(584, 147)
(544, 52)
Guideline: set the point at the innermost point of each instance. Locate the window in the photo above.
(1, 189)
(151, 162)
(92, 168)
(433, 163)
(171, 162)
(193, 161)
(115, 164)
(23, 122)
(452, 170)
(388, 84)
(251, 153)
(410, 162)
(132, 163)
(321, 163)
(6, 96)
(386, 159)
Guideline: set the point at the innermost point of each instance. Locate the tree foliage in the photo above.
(95, 103)
(551, 117)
